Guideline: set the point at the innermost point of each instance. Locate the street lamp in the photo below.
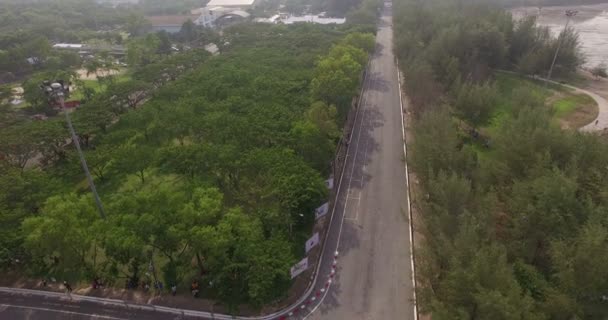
(57, 91)
(569, 15)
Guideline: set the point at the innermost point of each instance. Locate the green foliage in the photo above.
(513, 211)
(442, 154)
(141, 51)
(364, 16)
(475, 102)
(22, 194)
(599, 71)
(63, 235)
(363, 41)
(579, 267)
(337, 76)
(533, 48)
(28, 31)
(215, 162)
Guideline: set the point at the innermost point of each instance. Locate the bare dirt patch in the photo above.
(571, 110)
(82, 73)
(581, 116)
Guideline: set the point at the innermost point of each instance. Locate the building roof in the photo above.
(68, 46)
(197, 11)
(240, 13)
(174, 20)
(232, 3)
(313, 19)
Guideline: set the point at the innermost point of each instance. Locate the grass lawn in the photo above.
(570, 110)
(94, 84)
(574, 110)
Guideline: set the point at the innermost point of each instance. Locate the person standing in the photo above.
(194, 288)
(173, 290)
(68, 289)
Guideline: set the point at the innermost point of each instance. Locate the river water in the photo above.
(591, 22)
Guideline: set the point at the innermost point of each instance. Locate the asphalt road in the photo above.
(369, 226)
(33, 307)
(374, 276)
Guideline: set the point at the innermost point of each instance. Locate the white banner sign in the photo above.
(322, 210)
(299, 267)
(312, 242)
(329, 183)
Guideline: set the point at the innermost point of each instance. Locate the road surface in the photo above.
(601, 122)
(34, 307)
(369, 228)
(374, 276)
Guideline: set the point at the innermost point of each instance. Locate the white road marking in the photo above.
(97, 316)
(350, 180)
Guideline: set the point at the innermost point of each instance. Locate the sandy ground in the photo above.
(82, 74)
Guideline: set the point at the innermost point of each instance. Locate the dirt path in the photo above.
(601, 122)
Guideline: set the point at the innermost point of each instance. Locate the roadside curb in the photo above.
(409, 195)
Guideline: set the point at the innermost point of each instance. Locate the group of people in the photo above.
(97, 284)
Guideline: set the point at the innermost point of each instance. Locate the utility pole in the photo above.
(56, 91)
(569, 15)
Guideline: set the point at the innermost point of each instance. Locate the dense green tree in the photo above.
(127, 94)
(142, 51)
(239, 249)
(209, 169)
(579, 267)
(164, 45)
(312, 145)
(599, 71)
(511, 210)
(22, 194)
(64, 234)
(325, 118)
(475, 102)
(134, 159)
(336, 79)
(363, 41)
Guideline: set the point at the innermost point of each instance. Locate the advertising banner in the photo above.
(322, 210)
(312, 242)
(299, 267)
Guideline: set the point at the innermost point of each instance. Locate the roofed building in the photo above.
(233, 4)
(171, 23)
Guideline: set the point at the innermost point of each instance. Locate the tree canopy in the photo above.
(209, 167)
(512, 206)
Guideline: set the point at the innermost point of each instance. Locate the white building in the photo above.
(115, 3)
(233, 4)
(73, 46)
(288, 19)
(211, 17)
(312, 19)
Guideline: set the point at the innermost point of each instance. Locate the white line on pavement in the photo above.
(361, 105)
(409, 204)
